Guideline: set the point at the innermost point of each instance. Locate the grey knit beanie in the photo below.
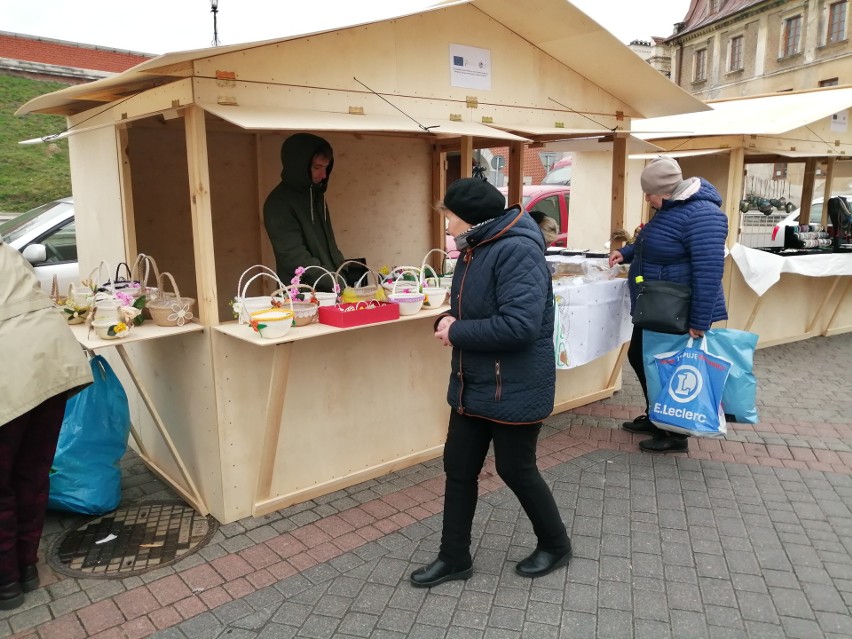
(661, 176)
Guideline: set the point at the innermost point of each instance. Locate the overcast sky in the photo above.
(160, 26)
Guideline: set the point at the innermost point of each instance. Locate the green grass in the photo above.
(30, 175)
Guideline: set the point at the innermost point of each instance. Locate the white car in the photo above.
(793, 219)
(47, 238)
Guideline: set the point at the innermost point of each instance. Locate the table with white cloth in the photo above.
(788, 297)
(591, 331)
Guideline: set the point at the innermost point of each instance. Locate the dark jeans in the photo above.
(467, 444)
(634, 356)
(27, 446)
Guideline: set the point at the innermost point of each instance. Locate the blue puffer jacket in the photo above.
(685, 243)
(503, 366)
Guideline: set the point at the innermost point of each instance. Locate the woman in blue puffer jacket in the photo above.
(685, 243)
(500, 326)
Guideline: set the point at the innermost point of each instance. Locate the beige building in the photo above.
(733, 48)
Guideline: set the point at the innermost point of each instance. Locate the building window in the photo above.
(790, 36)
(715, 5)
(699, 70)
(735, 58)
(831, 82)
(779, 171)
(836, 22)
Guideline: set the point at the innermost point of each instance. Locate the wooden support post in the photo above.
(274, 412)
(731, 205)
(619, 170)
(126, 186)
(807, 191)
(202, 222)
(466, 156)
(837, 308)
(826, 193)
(822, 304)
(439, 187)
(516, 173)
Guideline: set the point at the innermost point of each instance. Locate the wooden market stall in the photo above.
(174, 159)
(781, 297)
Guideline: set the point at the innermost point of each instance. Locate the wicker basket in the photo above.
(362, 291)
(305, 311)
(171, 311)
(244, 306)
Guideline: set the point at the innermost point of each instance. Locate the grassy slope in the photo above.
(30, 174)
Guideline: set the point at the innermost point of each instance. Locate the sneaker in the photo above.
(641, 425)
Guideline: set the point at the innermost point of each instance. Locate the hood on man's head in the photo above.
(474, 200)
(661, 176)
(297, 154)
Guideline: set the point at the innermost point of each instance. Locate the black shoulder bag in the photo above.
(661, 306)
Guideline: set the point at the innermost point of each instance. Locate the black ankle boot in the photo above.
(641, 425)
(11, 596)
(29, 578)
(665, 442)
(542, 562)
(438, 572)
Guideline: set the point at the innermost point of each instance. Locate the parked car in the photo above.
(560, 172)
(550, 199)
(793, 218)
(47, 238)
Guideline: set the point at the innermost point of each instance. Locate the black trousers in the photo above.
(467, 445)
(27, 446)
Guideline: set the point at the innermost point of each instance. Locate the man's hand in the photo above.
(694, 333)
(615, 258)
(443, 332)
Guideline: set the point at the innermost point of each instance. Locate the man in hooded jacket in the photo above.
(295, 212)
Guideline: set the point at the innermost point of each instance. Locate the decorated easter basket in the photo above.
(444, 280)
(411, 282)
(410, 301)
(338, 284)
(304, 311)
(272, 323)
(171, 311)
(244, 305)
(362, 291)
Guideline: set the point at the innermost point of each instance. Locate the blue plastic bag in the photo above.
(85, 476)
(739, 399)
(690, 399)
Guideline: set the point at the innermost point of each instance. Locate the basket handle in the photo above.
(264, 268)
(407, 282)
(95, 277)
(369, 271)
(172, 279)
(273, 276)
(326, 273)
(424, 279)
(293, 289)
(283, 293)
(149, 264)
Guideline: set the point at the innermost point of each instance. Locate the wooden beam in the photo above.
(619, 170)
(826, 193)
(466, 157)
(807, 191)
(439, 187)
(731, 204)
(515, 173)
(202, 216)
(125, 183)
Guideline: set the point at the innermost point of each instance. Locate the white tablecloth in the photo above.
(591, 320)
(761, 270)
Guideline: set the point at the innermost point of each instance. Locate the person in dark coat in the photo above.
(685, 243)
(502, 383)
(295, 212)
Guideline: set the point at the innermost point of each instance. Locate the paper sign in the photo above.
(470, 68)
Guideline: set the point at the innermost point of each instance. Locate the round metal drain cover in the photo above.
(132, 540)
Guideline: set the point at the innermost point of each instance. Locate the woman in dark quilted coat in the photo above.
(685, 243)
(500, 326)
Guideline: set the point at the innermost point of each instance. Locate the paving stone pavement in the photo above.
(749, 536)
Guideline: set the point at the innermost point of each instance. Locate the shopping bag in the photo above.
(739, 399)
(690, 398)
(85, 476)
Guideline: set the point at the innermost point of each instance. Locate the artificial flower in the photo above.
(181, 314)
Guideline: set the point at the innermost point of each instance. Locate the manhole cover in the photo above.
(132, 540)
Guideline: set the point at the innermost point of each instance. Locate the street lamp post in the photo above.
(214, 9)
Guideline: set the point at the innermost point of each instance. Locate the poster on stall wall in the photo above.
(840, 121)
(470, 68)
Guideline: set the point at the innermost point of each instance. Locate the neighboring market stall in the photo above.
(174, 159)
(781, 293)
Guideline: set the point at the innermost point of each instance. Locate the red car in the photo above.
(550, 199)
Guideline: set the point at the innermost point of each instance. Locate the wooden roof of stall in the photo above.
(556, 27)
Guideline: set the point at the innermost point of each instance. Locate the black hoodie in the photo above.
(296, 216)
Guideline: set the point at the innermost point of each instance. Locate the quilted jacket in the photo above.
(503, 365)
(685, 243)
